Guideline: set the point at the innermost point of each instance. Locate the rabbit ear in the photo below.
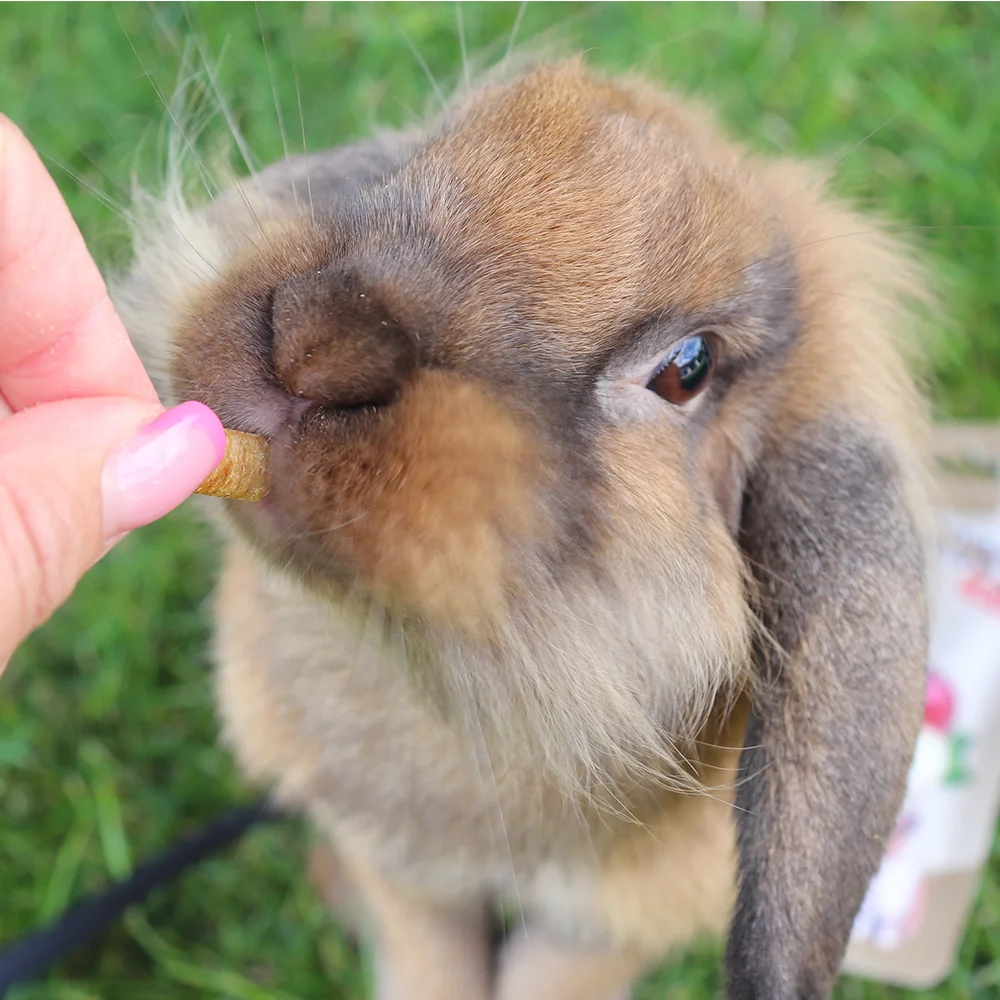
(839, 564)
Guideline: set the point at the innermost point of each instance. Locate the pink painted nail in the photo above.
(163, 464)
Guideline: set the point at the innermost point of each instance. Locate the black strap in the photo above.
(31, 956)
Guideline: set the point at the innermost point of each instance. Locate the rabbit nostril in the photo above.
(336, 344)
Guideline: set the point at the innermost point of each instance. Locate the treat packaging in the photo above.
(911, 923)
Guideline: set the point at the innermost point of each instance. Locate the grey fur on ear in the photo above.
(839, 565)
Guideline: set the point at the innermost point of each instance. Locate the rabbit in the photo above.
(589, 596)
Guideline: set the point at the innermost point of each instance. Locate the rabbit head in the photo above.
(610, 419)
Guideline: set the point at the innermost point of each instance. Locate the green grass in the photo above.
(107, 734)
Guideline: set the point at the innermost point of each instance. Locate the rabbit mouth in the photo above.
(426, 504)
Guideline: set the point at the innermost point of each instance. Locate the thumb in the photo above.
(75, 476)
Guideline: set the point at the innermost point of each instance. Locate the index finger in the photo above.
(59, 335)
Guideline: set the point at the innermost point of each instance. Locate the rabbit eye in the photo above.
(685, 372)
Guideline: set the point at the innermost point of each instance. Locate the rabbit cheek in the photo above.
(422, 503)
(672, 544)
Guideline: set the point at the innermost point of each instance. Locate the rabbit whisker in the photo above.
(460, 24)
(438, 93)
(861, 142)
(305, 148)
(513, 33)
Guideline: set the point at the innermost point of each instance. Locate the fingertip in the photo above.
(160, 466)
(8, 124)
(9, 129)
(206, 420)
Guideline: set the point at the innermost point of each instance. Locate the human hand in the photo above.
(87, 451)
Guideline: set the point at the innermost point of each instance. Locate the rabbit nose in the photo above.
(336, 344)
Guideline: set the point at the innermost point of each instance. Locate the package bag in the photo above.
(910, 925)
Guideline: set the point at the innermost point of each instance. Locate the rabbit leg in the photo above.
(534, 967)
(424, 950)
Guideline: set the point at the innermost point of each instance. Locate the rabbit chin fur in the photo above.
(498, 626)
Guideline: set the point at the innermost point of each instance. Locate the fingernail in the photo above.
(163, 464)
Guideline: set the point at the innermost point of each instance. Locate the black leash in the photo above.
(31, 956)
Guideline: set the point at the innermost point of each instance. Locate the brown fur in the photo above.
(500, 623)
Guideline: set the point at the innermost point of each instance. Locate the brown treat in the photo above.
(245, 471)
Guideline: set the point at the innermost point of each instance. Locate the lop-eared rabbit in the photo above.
(590, 591)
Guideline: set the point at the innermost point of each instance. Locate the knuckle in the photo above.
(30, 547)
